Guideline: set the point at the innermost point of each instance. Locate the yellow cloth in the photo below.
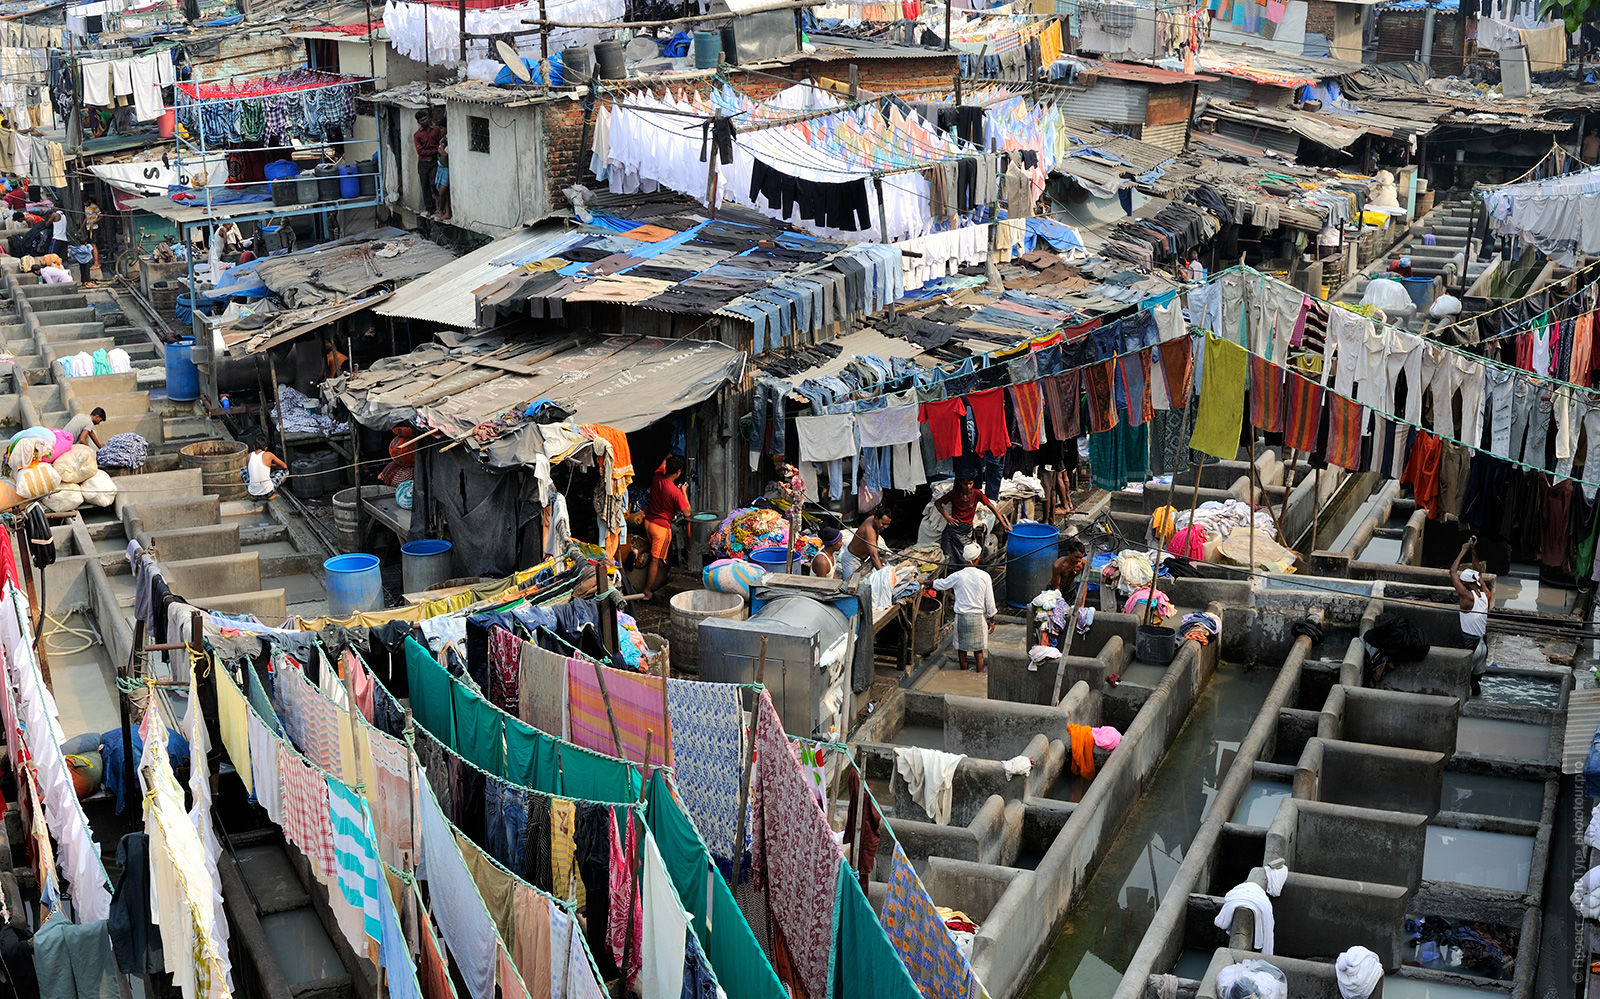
(233, 714)
(563, 850)
(1547, 47)
(432, 608)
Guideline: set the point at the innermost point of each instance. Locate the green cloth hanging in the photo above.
(865, 963)
(1221, 417)
(532, 759)
(480, 731)
(733, 951)
(1119, 456)
(430, 692)
(586, 774)
(102, 362)
(1584, 568)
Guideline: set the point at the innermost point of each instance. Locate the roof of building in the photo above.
(478, 390)
(446, 294)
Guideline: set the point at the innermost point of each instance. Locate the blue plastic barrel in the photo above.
(707, 49)
(354, 583)
(773, 558)
(424, 563)
(1030, 553)
(349, 183)
(183, 378)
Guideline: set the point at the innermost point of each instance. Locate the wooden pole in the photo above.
(1072, 630)
(125, 671)
(611, 715)
(544, 44)
(861, 820)
(633, 875)
(1288, 487)
(749, 758)
(947, 7)
(1316, 509)
(462, 7)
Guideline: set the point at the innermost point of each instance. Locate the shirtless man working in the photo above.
(863, 547)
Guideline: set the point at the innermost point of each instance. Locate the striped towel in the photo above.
(639, 703)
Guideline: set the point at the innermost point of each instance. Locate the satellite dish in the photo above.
(513, 61)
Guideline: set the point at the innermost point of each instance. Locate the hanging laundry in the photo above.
(1266, 395)
(921, 938)
(1222, 383)
(1343, 432)
(794, 853)
(707, 721)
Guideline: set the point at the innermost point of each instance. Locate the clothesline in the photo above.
(1457, 351)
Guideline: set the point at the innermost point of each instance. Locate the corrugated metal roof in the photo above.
(446, 295)
(1583, 717)
(1139, 73)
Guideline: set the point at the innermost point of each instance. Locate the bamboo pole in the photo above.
(1072, 630)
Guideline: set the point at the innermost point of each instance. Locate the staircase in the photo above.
(1449, 260)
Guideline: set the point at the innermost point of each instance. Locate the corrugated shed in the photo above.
(1170, 136)
(1583, 718)
(1271, 139)
(446, 295)
(1107, 100)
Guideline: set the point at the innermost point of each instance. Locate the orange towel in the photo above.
(1082, 737)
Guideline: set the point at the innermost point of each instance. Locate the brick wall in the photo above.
(1321, 17)
(567, 163)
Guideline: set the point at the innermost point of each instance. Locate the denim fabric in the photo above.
(993, 472)
(768, 399)
(1022, 369)
(1139, 331)
(505, 824)
(876, 466)
(758, 314)
(781, 313)
(807, 301)
(1131, 388)
(1049, 360)
(1106, 341)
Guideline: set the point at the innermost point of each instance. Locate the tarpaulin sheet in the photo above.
(621, 381)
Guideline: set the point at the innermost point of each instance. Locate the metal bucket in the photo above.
(424, 563)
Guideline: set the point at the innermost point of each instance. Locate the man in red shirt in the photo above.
(426, 139)
(666, 502)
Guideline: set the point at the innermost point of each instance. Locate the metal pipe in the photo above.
(1427, 36)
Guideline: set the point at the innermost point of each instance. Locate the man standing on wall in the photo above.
(426, 139)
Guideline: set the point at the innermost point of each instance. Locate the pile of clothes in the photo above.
(301, 415)
(124, 451)
(746, 529)
(1200, 626)
(1220, 519)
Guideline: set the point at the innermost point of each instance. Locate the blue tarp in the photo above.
(219, 195)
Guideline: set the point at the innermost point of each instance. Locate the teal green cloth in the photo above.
(735, 955)
(102, 362)
(531, 758)
(480, 728)
(588, 775)
(865, 963)
(1586, 549)
(1120, 455)
(261, 702)
(1222, 381)
(430, 692)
